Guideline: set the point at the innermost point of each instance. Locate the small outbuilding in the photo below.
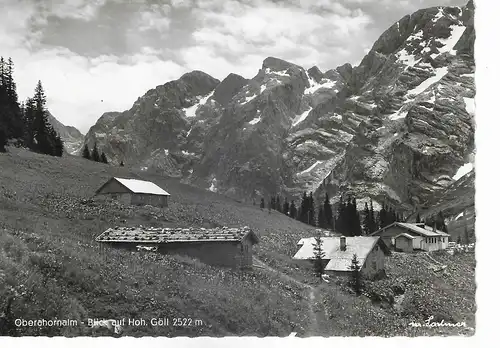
(403, 242)
(339, 252)
(227, 247)
(134, 192)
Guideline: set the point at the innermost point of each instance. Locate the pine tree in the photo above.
(11, 84)
(95, 154)
(86, 152)
(393, 215)
(47, 139)
(366, 220)
(321, 217)
(58, 145)
(311, 218)
(304, 209)
(2, 71)
(319, 254)
(278, 203)
(104, 159)
(3, 141)
(286, 207)
(40, 99)
(340, 224)
(466, 234)
(440, 222)
(356, 281)
(373, 222)
(293, 210)
(327, 210)
(41, 130)
(383, 217)
(10, 111)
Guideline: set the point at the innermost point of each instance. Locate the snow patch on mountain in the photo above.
(407, 59)
(456, 33)
(314, 86)
(398, 114)
(255, 120)
(301, 117)
(439, 15)
(470, 105)
(280, 73)
(440, 73)
(463, 170)
(310, 168)
(249, 98)
(191, 111)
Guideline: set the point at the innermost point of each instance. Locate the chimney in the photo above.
(342, 243)
(434, 227)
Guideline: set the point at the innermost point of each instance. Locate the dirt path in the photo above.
(318, 322)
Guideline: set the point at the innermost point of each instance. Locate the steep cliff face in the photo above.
(395, 128)
(413, 98)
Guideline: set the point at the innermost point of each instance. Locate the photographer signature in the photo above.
(430, 323)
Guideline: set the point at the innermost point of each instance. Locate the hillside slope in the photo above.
(52, 266)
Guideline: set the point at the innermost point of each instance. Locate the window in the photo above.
(374, 264)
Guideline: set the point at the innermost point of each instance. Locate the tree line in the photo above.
(26, 123)
(94, 155)
(347, 219)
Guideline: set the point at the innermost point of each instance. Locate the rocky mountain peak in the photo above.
(315, 73)
(199, 83)
(276, 64)
(228, 88)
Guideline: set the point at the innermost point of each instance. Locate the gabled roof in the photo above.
(175, 235)
(340, 260)
(138, 186)
(425, 231)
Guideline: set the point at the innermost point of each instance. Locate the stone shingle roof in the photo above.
(174, 235)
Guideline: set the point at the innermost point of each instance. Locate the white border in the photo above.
(487, 23)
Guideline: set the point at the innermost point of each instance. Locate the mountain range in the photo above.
(397, 129)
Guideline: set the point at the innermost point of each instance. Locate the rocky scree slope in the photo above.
(395, 128)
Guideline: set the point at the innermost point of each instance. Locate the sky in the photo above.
(94, 56)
